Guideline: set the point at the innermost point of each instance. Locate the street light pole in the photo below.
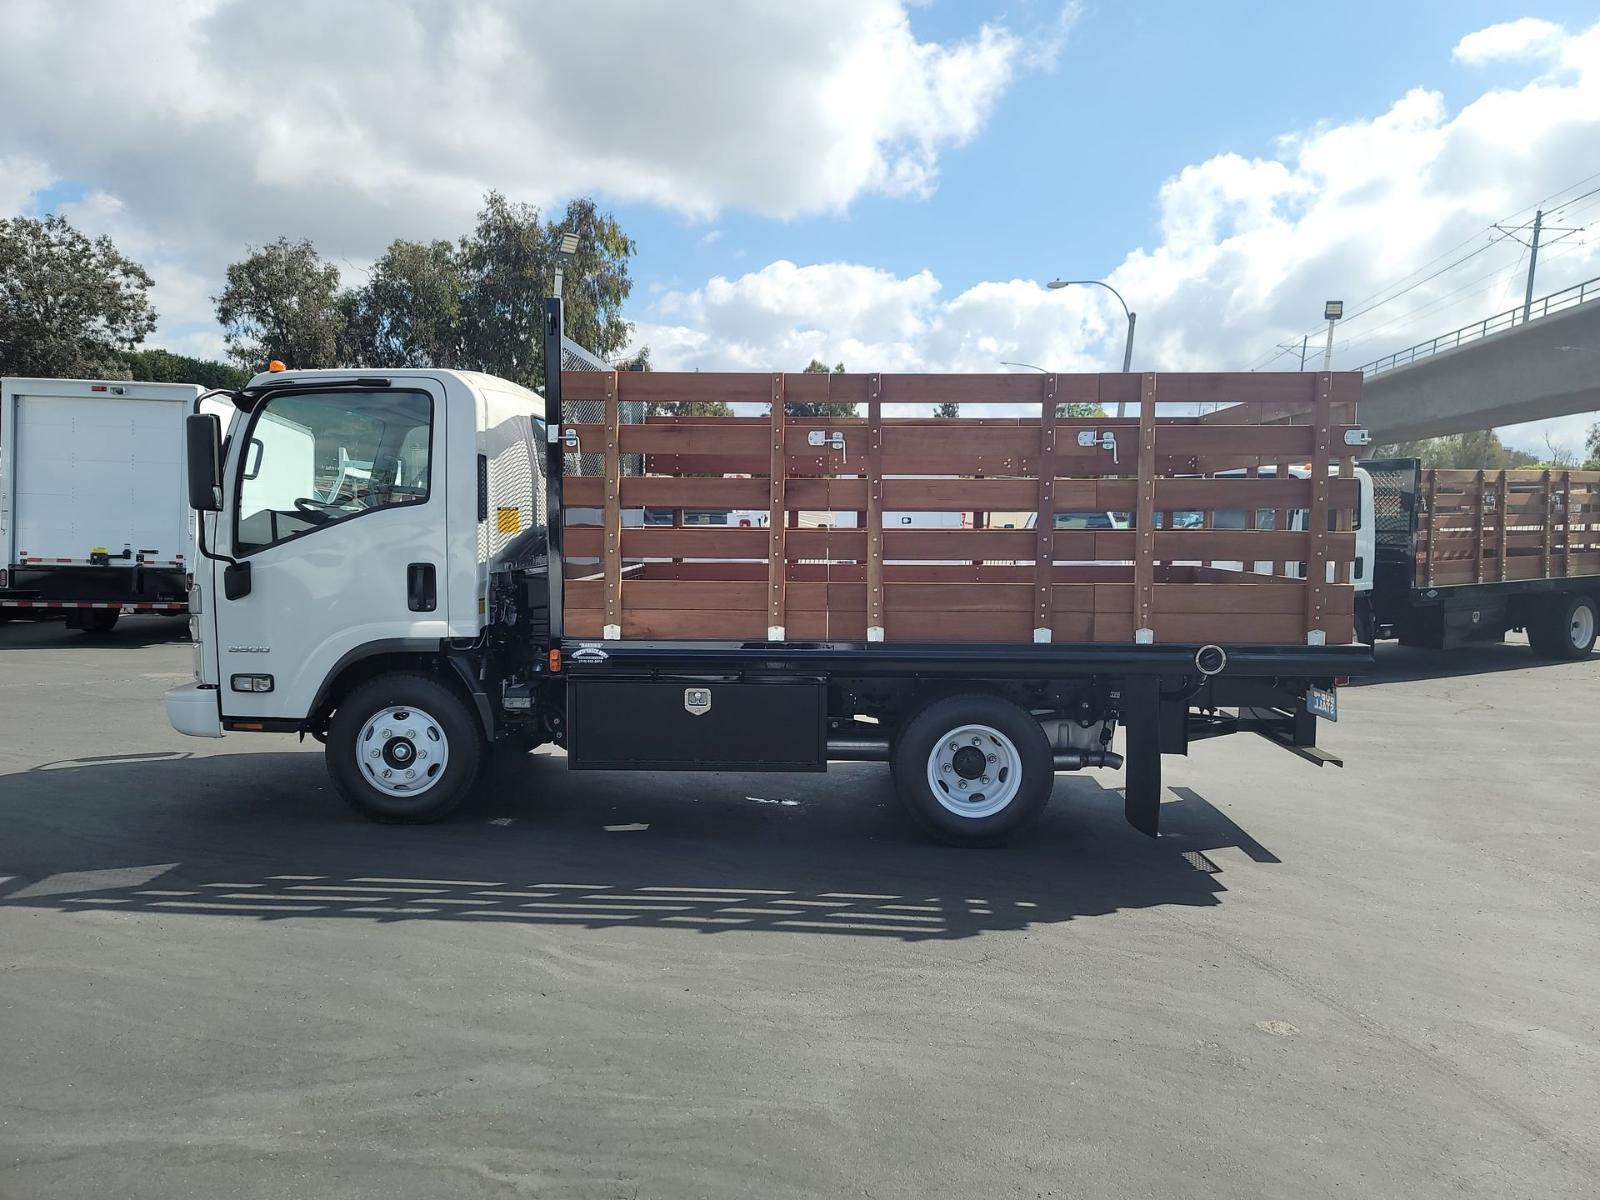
(1133, 317)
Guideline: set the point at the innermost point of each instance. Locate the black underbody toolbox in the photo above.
(688, 723)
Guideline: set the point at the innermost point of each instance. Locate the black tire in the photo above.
(1567, 629)
(941, 812)
(98, 622)
(423, 706)
(1366, 629)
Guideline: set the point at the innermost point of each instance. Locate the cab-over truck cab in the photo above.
(347, 539)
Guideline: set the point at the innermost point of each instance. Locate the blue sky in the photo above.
(1065, 176)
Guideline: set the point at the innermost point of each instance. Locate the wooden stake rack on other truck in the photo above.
(715, 574)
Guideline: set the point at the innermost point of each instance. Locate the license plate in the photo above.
(1321, 703)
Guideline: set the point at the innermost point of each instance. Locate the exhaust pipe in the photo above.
(1076, 760)
(851, 749)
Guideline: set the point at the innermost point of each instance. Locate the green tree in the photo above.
(163, 366)
(409, 314)
(949, 410)
(1478, 450)
(1591, 448)
(817, 367)
(69, 305)
(283, 301)
(508, 263)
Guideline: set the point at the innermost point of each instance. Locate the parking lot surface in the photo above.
(1380, 981)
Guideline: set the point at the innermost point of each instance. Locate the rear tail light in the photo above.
(5, 578)
(1340, 681)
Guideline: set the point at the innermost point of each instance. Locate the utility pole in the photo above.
(1331, 312)
(1533, 262)
(1304, 338)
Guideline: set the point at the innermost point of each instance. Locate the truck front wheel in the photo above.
(1566, 629)
(973, 770)
(404, 748)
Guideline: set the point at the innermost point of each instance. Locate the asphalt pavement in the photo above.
(1371, 982)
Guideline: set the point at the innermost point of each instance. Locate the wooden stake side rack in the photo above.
(1492, 526)
(1177, 525)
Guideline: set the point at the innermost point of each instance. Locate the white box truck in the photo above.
(94, 520)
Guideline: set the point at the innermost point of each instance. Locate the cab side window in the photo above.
(321, 458)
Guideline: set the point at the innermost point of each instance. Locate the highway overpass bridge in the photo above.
(1503, 370)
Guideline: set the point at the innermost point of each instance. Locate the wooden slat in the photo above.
(1566, 523)
(1477, 530)
(777, 533)
(1045, 526)
(612, 511)
(1145, 550)
(875, 597)
(1549, 525)
(1501, 519)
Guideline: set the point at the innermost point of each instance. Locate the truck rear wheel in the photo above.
(1567, 629)
(973, 770)
(404, 748)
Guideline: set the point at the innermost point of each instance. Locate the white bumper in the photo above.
(192, 709)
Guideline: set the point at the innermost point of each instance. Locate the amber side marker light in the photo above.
(555, 661)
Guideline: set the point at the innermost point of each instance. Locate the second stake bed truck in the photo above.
(438, 603)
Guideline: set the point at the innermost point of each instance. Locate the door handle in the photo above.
(422, 592)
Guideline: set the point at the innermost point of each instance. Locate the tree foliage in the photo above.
(508, 264)
(70, 305)
(1591, 448)
(474, 304)
(1478, 450)
(283, 301)
(409, 314)
(163, 366)
(949, 410)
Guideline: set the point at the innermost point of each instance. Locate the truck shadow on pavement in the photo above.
(263, 836)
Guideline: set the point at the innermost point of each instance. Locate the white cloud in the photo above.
(784, 315)
(355, 122)
(1526, 37)
(20, 179)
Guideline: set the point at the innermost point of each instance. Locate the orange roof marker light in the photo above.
(275, 366)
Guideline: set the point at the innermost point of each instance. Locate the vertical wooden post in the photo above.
(1477, 534)
(1044, 525)
(613, 511)
(875, 596)
(777, 555)
(1317, 518)
(1549, 527)
(1144, 551)
(1566, 523)
(1280, 517)
(1500, 503)
(1433, 520)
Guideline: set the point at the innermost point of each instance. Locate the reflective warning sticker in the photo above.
(508, 520)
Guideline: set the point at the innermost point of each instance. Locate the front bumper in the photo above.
(192, 709)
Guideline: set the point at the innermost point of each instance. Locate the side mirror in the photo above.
(203, 435)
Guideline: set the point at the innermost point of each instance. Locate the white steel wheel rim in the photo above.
(402, 751)
(1582, 629)
(964, 787)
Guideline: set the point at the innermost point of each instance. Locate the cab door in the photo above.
(337, 506)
